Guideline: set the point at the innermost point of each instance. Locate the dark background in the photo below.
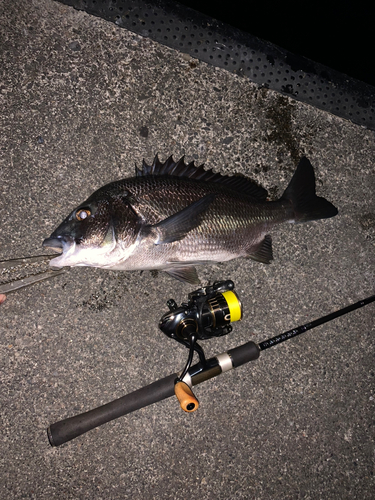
(338, 35)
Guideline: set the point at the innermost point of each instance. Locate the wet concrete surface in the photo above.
(82, 102)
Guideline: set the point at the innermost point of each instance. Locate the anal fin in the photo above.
(263, 251)
(186, 274)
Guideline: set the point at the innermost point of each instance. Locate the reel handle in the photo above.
(185, 396)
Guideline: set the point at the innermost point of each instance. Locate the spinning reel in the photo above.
(207, 314)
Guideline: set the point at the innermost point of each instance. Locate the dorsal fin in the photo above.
(180, 169)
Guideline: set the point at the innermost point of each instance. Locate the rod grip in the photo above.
(244, 353)
(70, 428)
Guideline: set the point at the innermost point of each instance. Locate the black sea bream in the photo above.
(172, 216)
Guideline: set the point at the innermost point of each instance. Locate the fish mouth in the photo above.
(55, 244)
(63, 245)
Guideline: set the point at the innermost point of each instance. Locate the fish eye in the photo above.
(83, 213)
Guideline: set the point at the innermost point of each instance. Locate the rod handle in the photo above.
(72, 427)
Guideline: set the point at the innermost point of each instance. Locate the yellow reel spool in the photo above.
(234, 305)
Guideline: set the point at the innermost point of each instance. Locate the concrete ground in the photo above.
(82, 102)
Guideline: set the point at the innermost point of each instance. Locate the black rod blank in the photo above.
(308, 326)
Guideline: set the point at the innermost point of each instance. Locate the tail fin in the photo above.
(301, 193)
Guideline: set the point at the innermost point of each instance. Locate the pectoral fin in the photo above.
(176, 226)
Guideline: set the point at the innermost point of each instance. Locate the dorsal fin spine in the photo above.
(180, 169)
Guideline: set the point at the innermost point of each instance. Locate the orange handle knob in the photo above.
(185, 396)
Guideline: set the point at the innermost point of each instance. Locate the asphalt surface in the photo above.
(82, 102)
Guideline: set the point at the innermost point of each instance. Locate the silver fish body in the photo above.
(172, 216)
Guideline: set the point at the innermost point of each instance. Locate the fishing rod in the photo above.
(207, 314)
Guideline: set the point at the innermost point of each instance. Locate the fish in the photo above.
(173, 216)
